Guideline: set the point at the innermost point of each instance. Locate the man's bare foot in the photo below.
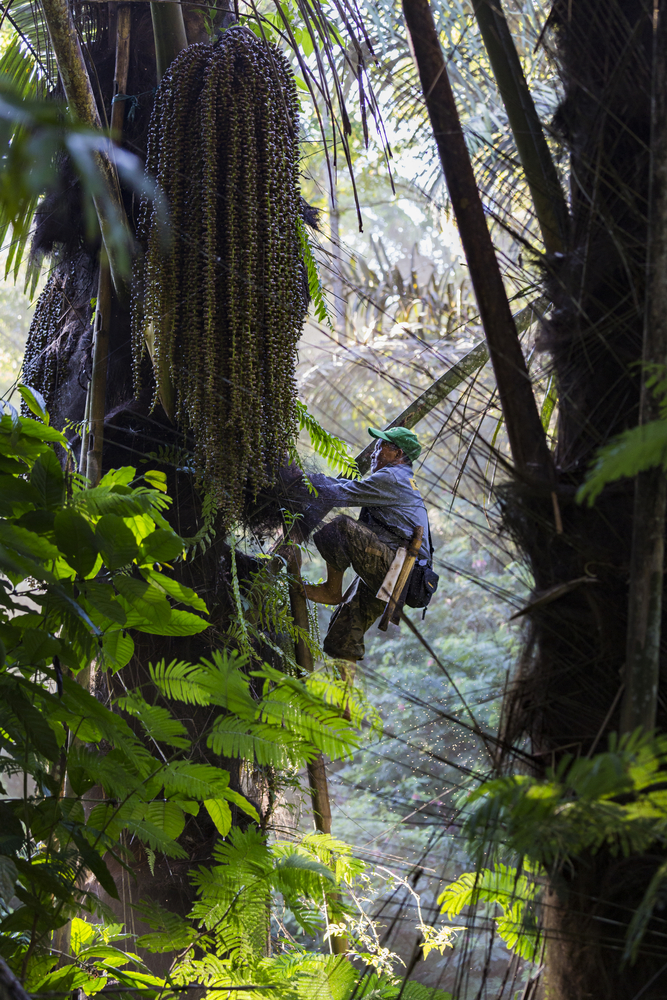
(324, 593)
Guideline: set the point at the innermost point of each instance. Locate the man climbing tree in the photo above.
(391, 508)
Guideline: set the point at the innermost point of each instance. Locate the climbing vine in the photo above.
(220, 298)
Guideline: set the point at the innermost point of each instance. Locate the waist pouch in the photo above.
(422, 585)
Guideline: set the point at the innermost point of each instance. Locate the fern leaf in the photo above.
(181, 681)
(634, 451)
(330, 447)
(314, 282)
(158, 722)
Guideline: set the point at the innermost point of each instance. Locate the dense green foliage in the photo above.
(86, 787)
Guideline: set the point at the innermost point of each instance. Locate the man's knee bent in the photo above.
(331, 542)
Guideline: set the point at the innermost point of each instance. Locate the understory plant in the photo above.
(533, 830)
(88, 788)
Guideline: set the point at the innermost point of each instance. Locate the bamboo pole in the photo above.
(92, 445)
(80, 97)
(123, 27)
(168, 32)
(317, 775)
(97, 388)
(642, 668)
(538, 165)
(527, 439)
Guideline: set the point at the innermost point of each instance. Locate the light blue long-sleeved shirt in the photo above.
(389, 497)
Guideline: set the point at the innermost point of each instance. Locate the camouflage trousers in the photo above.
(345, 542)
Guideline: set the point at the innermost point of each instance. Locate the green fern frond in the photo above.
(330, 447)
(18, 70)
(181, 681)
(314, 281)
(158, 722)
(262, 744)
(507, 888)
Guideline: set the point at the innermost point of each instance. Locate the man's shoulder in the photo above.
(401, 476)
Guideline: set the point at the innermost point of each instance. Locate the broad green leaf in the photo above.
(180, 623)
(103, 598)
(117, 649)
(221, 815)
(175, 589)
(161, 546)
(158, 480)
(37, 728)
(81, 934)
(8, 877)
(15, 493)
(166, 815)
(242, 802)
(118, 477)
(40, 521)
(34, 401)
(48, 480)
(75, 538)
(36, 646)
(156, 838)
(115, 541)
(27, 543)
(12, 835)
(146, 602)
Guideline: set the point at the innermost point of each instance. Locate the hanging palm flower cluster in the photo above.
(221, 302)
(40, 361)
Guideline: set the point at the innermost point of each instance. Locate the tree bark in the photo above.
(526, 435)
(536, 160)
(642, 669)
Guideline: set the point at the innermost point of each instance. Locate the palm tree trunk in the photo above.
(526, 434)
(536, 160)
(642, 669)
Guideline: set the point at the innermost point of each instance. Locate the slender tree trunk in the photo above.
(169, 33)
(81, 99)
(97, 390)
(536, 160)
(123, 22)
(317, 774)
(526, 434)
(337, 289)
(642, 669)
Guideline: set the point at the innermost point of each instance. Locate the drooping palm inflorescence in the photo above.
(220, 301)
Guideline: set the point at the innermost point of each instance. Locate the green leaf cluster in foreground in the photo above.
(89, 789)
(614, 801)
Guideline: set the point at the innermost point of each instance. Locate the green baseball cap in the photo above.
(402, 438)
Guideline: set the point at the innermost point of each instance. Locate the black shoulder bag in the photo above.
(423, 581)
